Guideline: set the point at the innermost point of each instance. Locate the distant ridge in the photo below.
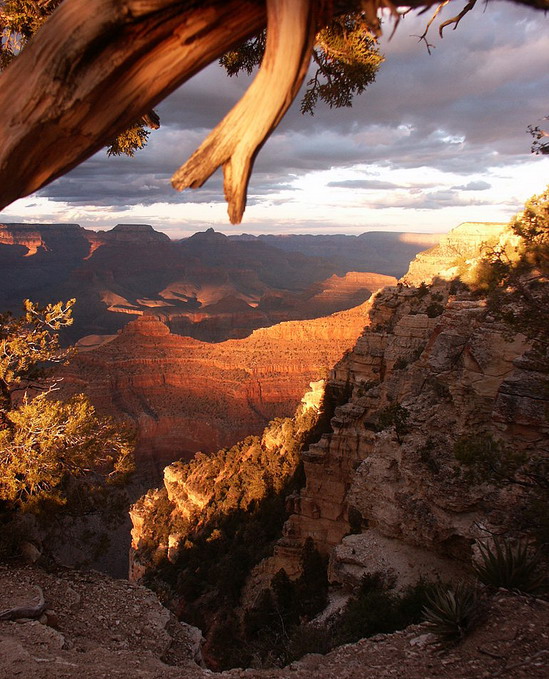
(209, 286)
(384, 252)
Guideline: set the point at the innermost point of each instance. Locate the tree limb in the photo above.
(234, 143)
(455, 20)
(423, 36)
(96, 67)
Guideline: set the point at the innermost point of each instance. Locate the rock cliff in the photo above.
(185, 395)
(434, 372)
(454, 249)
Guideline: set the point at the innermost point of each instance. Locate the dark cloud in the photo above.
(474, 186)
(463, 109)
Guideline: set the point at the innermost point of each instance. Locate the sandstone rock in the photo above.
(395, 480)
(460, 245)
(371, 552)
(185, 395)
(98, 617)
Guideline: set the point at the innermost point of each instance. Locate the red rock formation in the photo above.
(186, 395)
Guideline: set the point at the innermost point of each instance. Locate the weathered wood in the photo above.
(94, 68)
(234, 143)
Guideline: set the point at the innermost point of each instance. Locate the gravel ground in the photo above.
(96, 627)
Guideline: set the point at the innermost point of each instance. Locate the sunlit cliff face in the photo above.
(186, 395)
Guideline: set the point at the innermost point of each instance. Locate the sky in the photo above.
(437, 140)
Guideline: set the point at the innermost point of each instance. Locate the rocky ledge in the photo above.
(100, 628)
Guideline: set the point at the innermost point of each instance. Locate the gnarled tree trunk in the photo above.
(94, 68)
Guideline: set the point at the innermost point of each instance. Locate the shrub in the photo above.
(434, 309)
(451, 611)
(485, 459)
(378, 609)
(309, 639)
(422, 290)
(394, 416)
(400, 364)
(511, 566)
(355, 520)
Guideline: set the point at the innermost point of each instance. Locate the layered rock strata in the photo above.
(185, 395)
(383, 486)
(433, 368)
(197, 494)
(455, 249)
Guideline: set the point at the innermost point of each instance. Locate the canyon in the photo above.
(184, 395)
(433, 369)
(208, 286)
(435, 374)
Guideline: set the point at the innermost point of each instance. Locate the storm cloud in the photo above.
(461, 110)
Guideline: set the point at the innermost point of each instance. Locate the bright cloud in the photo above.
(436, 140)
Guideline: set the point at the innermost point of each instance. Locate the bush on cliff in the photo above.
(377, 608)
(515, 274)
(483, 459)
(54, 454)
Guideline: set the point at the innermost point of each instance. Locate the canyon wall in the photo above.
(185, 395)
(434, 371)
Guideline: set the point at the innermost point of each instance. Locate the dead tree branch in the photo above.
(423, 36)
(234, 143)
(455, 20)
(94, 68)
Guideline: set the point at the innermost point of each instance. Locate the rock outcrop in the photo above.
(206, 491)
(97, 628)
(93, 626)
(432, 369)
(387, 467)
(453, 251)
(185, 395)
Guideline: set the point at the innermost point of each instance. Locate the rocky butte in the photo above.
(436, 374)
(186, 395)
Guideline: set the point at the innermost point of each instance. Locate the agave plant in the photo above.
(514, 566)
(451, 611)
